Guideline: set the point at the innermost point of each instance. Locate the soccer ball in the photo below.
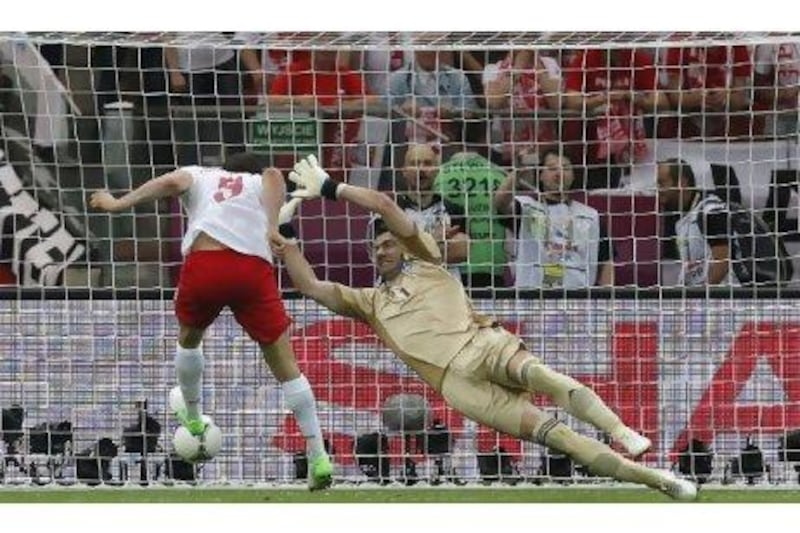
(196, 449)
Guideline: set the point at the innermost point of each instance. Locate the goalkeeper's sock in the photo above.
(189, 368)
(599, 458)
(577, 399)
(300, 399)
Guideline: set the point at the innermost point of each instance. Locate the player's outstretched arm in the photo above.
(274, 192)
(167, 185)
(315, 182)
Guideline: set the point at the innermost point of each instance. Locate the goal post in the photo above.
(618, 294)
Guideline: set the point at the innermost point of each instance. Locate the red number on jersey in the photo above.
(229, 186)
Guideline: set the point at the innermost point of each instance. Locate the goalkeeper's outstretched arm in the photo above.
(325, 293)
(395, 218)
(339, 298)
(316, 182)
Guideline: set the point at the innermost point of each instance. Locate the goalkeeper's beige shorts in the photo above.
(477, 385)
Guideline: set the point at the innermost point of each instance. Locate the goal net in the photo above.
(629, 199)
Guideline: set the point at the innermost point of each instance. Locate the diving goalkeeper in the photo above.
(423, 315)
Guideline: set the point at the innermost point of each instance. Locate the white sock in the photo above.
(300, 399)
(189, 368)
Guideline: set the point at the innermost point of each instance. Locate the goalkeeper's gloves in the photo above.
(313, 180)
(285, 215)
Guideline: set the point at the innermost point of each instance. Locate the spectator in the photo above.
(322, 81)
(473, 63)
(379, 66)
(702, 231)
(777, 79)
(319, 80)
(209, 76)
(434, 95)
(380, 61)
(265, 64)
(560, 242)
(519, 86)
(250, 60)
(613, 90)
(275, 62)
(709, 87)
(441, 218)
(469, 180)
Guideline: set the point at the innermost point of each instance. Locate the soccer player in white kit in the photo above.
(228, 262)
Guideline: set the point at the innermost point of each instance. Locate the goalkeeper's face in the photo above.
(388, 255)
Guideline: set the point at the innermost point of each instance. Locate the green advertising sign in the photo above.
(470, 180)
(284, 135)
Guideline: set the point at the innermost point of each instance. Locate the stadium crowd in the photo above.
(534, 168)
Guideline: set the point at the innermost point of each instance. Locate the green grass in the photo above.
(388, 495)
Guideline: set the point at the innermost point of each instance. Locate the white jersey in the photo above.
(229, 207)
(695, 252)
(557, 245)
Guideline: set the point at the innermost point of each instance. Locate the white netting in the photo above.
(414, 114)
(408, 40)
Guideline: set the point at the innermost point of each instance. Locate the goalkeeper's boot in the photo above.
(320, 472)
(196, 426)
(678, 489)
(634, 443)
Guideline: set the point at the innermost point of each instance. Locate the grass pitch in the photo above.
(383, 495)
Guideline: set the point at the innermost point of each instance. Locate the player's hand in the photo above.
(451, 231)
(279, 244)
(444, 231)
(177, 81)
(104, 201)
(409, 108)
(287, 210)
(309, 176)
(716, 98)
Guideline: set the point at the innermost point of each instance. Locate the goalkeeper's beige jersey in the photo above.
(423, 315)
(228, 206)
